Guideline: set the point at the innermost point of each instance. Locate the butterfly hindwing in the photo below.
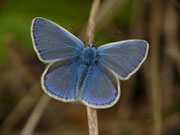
(123, 57)
(52, 42)
(101, 88)
(59, 80)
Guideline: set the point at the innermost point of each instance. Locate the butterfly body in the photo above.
(88, 56)
(82, 74)
(87, 59)
(76, 73)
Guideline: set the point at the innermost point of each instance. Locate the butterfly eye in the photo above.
(91, 44)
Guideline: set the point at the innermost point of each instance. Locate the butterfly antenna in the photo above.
(75, 30)
(113, 35)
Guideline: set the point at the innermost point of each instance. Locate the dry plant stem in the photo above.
(27, 101)
(105, 14)
(92, 113)
(155, 31)
(92, 121)
(35, 116)
(91, 22)
(171, 38)
(20, 110)
(171, 35)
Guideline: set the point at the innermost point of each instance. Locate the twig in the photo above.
(92, 18)
(35, 116)
(155, 31)
(92, 113)
(92, 121)
(105, 14)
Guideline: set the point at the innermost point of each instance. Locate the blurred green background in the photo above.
(150, 99)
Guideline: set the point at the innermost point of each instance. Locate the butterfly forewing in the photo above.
(124, 57)
(52, 41)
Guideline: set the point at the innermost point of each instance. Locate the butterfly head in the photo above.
(88, 55)
(91, 44)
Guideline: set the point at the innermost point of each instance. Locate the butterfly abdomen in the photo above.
(88, 58)
(82, 75)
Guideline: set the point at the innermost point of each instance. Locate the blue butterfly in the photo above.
(76, 73)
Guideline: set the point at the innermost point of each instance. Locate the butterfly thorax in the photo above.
(88, 56)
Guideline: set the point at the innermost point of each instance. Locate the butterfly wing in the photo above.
(101, 88)
(59, 80)
(51, 41)
(124, 57)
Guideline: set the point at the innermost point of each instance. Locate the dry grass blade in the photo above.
(171, 34)
(92, 18)
(35, 116)
(155, 31)
(171, 38)
(27, 101)
(92, 113)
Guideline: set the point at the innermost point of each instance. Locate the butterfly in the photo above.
(79, 73)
